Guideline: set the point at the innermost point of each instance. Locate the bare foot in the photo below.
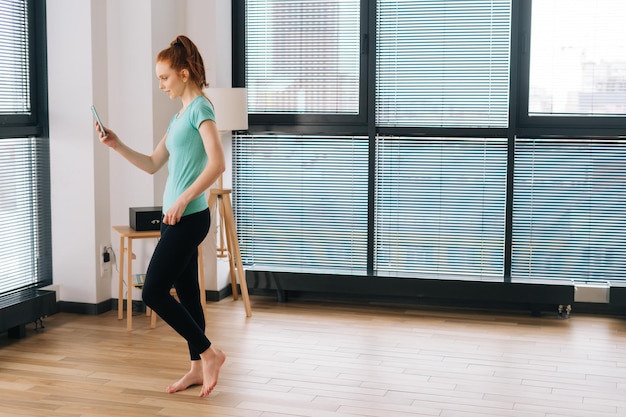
(191, 378)
(212, 360)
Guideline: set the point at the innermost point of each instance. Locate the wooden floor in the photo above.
(307, 358)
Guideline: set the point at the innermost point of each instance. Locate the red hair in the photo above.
(183, 54)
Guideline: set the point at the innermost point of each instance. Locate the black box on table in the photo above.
(145, 218)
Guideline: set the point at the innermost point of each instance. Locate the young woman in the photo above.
(193, 151)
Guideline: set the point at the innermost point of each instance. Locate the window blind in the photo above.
(14, 58)
(569, 210)
(301, 202)
(302, 56)
(25, 249)
(25, 241)
(443, 63)
(440, 207)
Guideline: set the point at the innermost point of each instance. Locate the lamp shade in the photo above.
(231, 107)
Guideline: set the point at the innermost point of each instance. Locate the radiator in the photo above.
(592, 292)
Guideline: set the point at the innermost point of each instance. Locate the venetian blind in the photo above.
(25, 252)
(568, 210)
(301, 202)
(14, 58)
(440, 207)
(443, 63)
(25, 241)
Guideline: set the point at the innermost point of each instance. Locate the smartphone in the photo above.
(95, 115)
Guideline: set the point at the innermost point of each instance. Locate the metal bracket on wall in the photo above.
(39, 323)
(564, 311)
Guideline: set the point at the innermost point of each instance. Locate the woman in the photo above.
(193, 150)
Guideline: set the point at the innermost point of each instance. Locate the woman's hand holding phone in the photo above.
(106, 135)
(100, 127)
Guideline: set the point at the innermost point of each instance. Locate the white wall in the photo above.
(73, 162)
(103, 52)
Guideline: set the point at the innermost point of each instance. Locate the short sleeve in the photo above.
(201, 111)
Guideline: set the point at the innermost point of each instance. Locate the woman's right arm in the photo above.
(148, 163)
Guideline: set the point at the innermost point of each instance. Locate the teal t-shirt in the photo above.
(188, 157)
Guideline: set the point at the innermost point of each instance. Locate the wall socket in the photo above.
(105, 257)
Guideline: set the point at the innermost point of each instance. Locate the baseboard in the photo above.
(138, 306)
(84, 308)
(219, 295)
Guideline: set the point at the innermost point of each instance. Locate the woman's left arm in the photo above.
(214, 168)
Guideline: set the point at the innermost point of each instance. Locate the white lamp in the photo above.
(231, 113)
(231, 108)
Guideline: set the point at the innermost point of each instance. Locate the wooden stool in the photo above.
(220, 199)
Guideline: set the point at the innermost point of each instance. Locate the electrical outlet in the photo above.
(104, 255)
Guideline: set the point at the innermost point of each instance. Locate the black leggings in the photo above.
(174, 263)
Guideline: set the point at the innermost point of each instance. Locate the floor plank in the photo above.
(324, 359)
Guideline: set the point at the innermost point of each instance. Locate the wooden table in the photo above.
(127, 235)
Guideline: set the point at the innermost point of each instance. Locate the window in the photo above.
(14, 70)
(440, 201)
(440, 207)
(442, 63)
(303, 57)
(22, 85)
(426, 76)
(491, 150)
(25, 242)
(577, 65)
(25, 254)
(301, 202)
(569, 210)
